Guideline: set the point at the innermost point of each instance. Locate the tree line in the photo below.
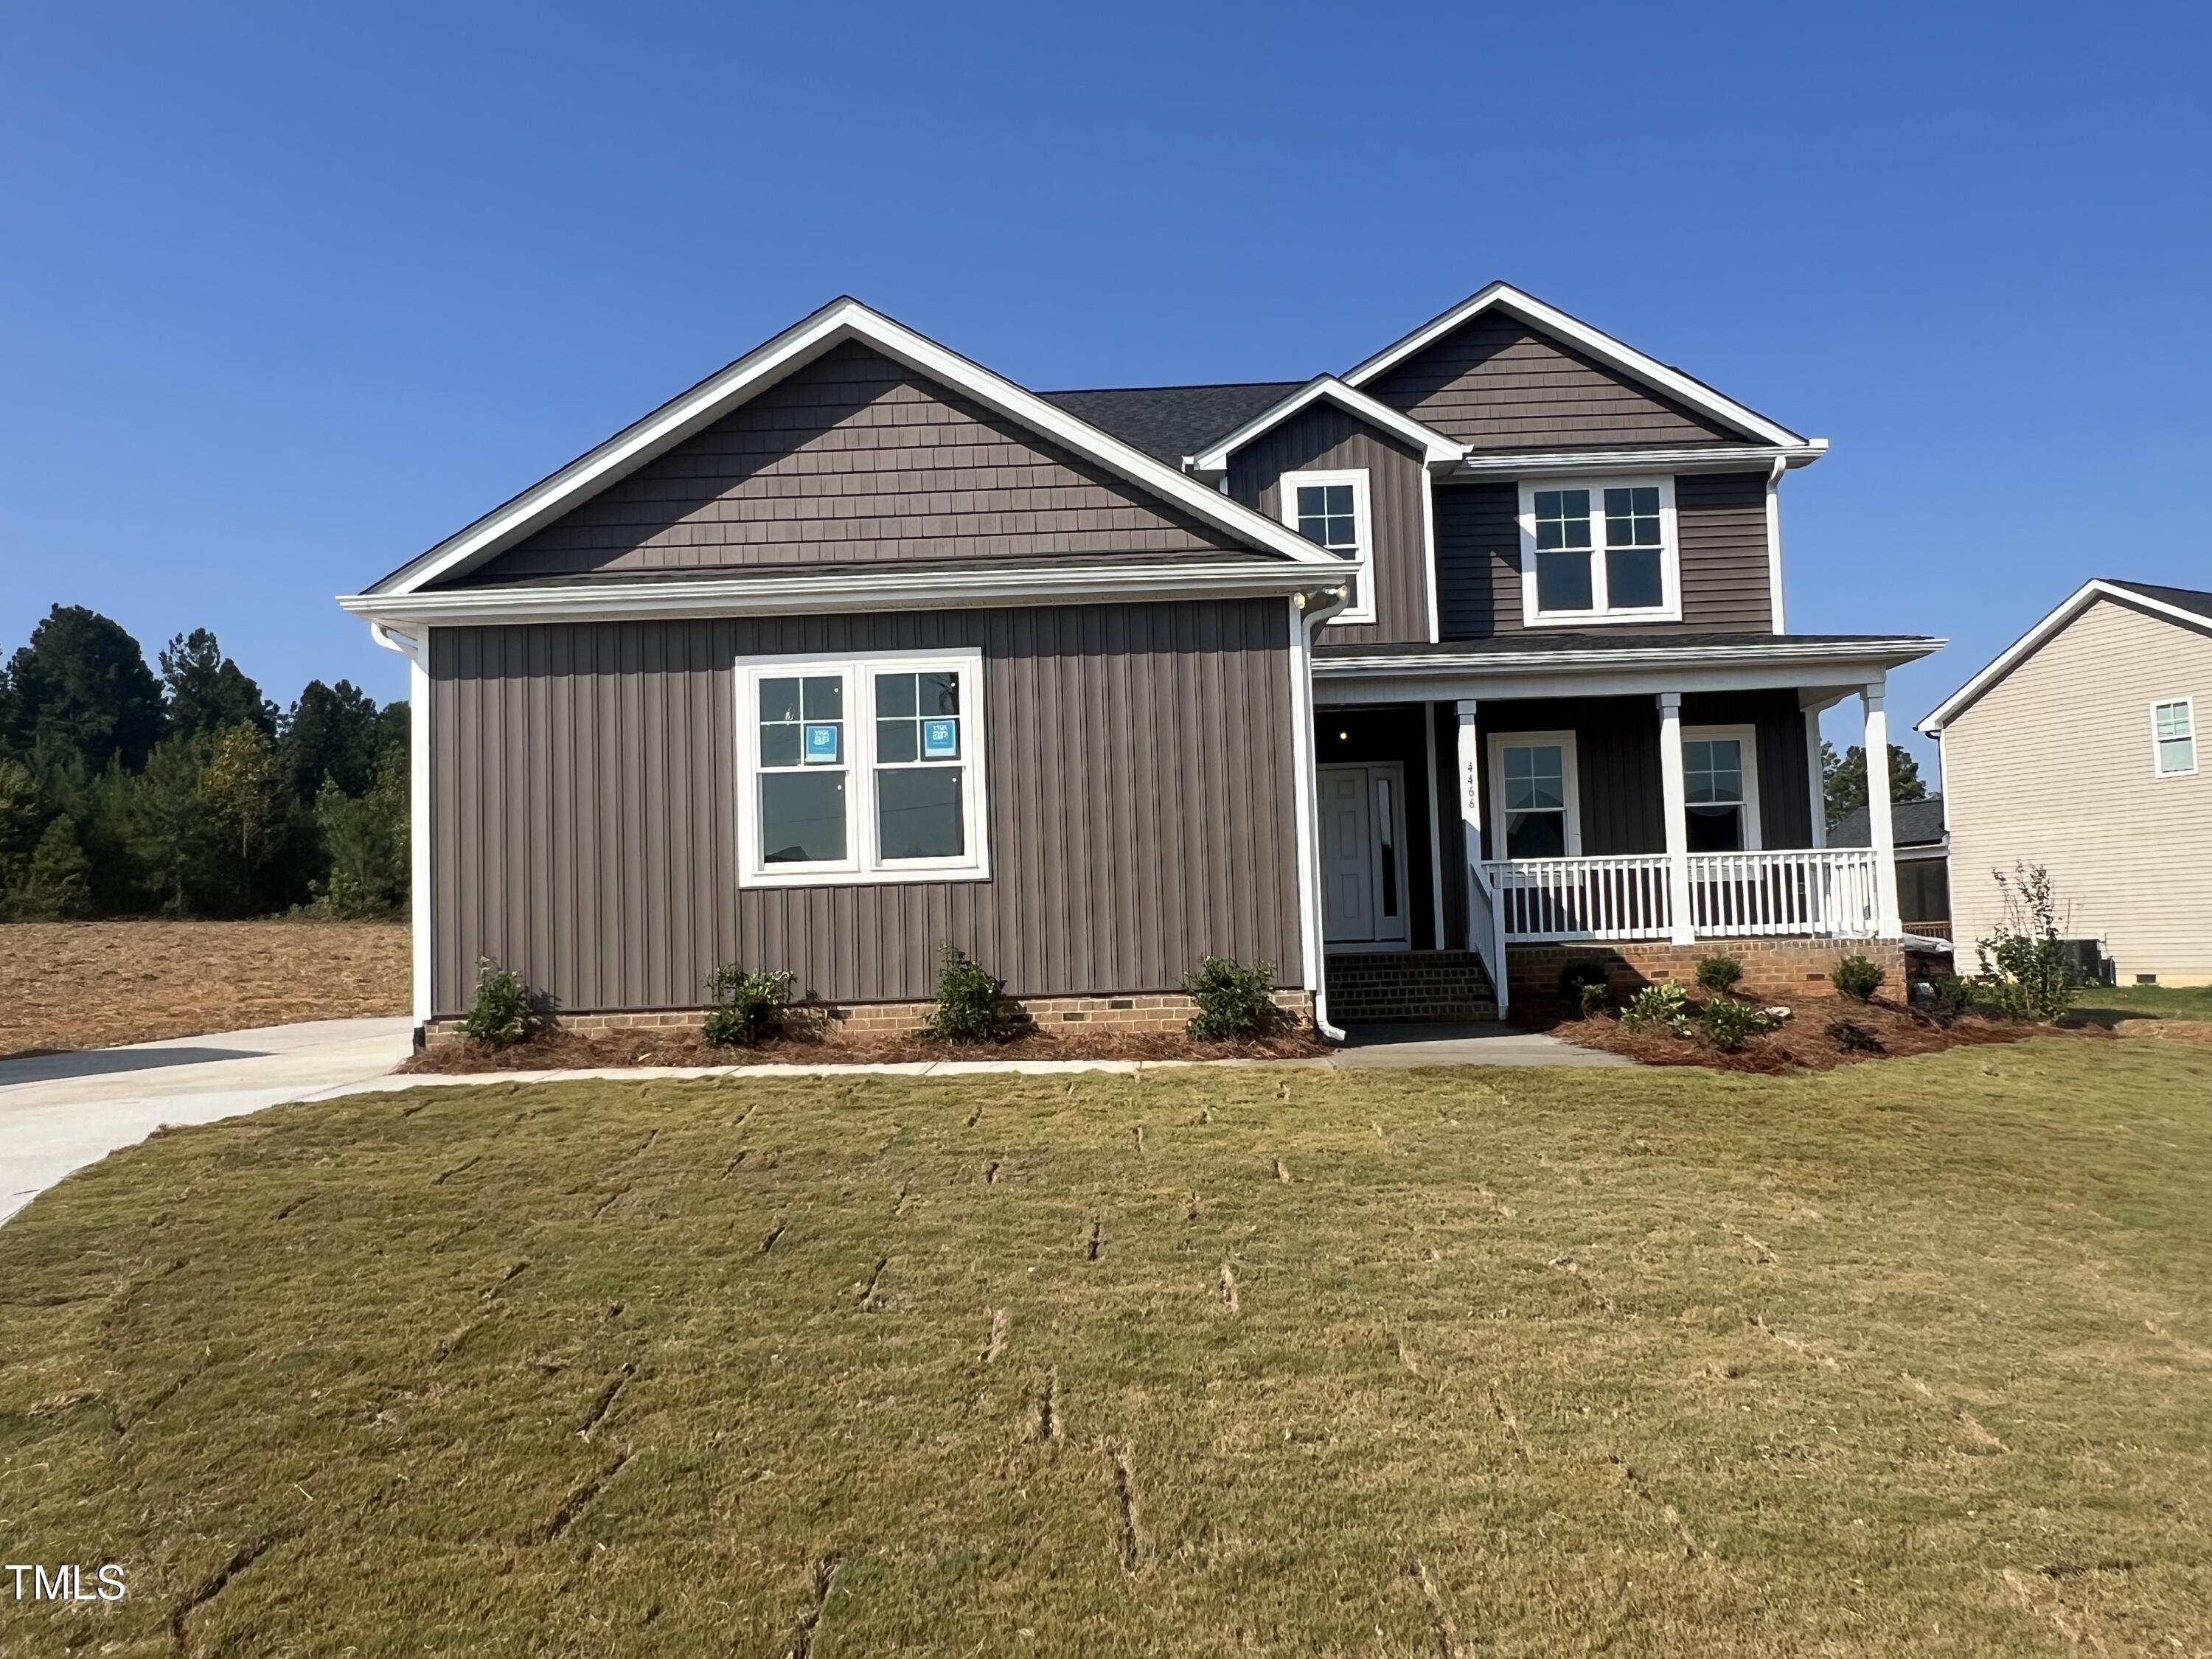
(126, 791)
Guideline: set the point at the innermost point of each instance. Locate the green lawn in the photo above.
(1908, 1357)
(2151, 1001)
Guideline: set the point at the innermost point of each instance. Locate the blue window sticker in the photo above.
(940, 739)
(822, 744)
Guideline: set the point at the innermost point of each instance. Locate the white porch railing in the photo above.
(1621, 898)
(1487, 932)
(1832, 892)
(1813, 891)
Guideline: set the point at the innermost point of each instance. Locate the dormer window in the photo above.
(1600, 551)
(1329, 509)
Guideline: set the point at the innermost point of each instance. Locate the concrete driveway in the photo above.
(61, 1112)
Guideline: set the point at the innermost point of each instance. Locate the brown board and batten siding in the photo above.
(854, 459)
(1141, 807)
(1323, 438)
(1496, 384)
(1720, 518)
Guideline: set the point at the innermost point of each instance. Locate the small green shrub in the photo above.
(1726, 1023)
(1581, 972)
(1596, 997)
(504, 1011)
(1949, 996)
(745, 1007)
(1719, 974)
(971, 1005)
(1663, 1005)
(1857, 978)
(2027, 972)
(1233, 1000)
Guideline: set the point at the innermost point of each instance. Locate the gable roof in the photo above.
(2190, 607)
(1435, 448)
(1911, 823)
(1614, 354)
(1170, 421)
(842, 320)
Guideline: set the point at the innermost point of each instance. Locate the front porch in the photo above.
(1606, 805)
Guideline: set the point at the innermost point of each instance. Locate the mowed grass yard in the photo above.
(1908, 1357)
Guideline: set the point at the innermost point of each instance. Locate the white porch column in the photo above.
(1881, 832)
(1470, 811)
(1675, 795)
(1814, 782)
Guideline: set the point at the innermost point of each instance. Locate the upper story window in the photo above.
(861, 769)
(2173, 738)
(1329, 509)
(1599, 551)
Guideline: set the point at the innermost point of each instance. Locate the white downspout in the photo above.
(415, 649)
(1305, 617)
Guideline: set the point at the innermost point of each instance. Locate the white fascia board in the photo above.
(1602, 346)
(2069, 608)
(1437, 450)
(1498, 685)
(1888, 652)
(712, 398)
(814, 593)
(1708, 457)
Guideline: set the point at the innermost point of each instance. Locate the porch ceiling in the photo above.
(1553, 665)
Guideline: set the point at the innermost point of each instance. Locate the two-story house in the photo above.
(1413, 681)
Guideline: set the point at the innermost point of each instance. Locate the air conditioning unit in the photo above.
(2086, 963)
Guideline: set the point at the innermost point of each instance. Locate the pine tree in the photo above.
(60, 888)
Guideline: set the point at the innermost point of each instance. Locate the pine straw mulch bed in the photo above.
(560, 1050)
(1811, 1038)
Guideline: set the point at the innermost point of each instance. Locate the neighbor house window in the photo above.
(1720, 789)
(1533, 796)
(2173, 738)
(1329, 509)
(1599, 551)
(861, 769)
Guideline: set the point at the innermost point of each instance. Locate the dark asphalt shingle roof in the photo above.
(1911, 823)
(2182, 598)
(1170, 421)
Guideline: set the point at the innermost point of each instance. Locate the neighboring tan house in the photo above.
(1473, 655)
(2081, 749)
(1923, 875)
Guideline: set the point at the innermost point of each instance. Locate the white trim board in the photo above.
(2071, 606)
(1616, 354)
(1437, 450)
(841, 320)
(788, 593)
(1695, 457)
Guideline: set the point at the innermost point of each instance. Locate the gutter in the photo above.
(1306, 618)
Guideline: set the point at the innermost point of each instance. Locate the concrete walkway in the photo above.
(61, 1112)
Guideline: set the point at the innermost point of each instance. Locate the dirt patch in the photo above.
(559, 1050)
(94, 984)
(2173, 1030)
(1817, 1037)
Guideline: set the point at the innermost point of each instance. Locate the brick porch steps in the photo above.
(1384, 987)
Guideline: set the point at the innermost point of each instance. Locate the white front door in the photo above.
(1363, 855)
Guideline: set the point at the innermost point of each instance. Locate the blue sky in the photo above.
(290, 293)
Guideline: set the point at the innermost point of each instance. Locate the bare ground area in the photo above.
(94, 984)
(1889, 1360)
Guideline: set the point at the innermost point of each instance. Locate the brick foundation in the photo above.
(1138, 1011)
(1783, 971)
(1376, 987)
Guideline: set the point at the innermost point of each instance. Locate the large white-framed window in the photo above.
(1599, 551)
(1535, 803)
(1330, 510)
(859, 768)
(1720, 788)
(2173, 738)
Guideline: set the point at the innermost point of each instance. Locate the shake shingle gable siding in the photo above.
(1498, 385)
(854, 459)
